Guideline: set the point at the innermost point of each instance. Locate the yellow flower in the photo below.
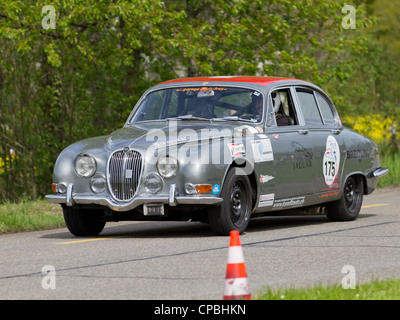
(1, 165)
(376, 127)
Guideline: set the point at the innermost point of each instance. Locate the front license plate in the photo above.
(153, 209)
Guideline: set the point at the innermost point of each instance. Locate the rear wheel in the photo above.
(234, 212)
(84, 222)
(349, 205)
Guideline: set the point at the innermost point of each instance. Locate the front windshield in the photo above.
(210, 102)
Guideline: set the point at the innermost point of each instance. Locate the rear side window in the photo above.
(325, 108)
(309, 107)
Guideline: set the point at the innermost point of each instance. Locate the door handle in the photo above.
(303, 132)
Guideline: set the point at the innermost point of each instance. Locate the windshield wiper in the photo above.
(236, 118)
(227, 118)
(188, 117)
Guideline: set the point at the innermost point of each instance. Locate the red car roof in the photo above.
(249, 79)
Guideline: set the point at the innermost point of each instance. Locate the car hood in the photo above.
(175, 133)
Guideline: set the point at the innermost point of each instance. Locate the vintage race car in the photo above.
(219, 150)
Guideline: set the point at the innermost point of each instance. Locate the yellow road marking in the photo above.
(375, 205)
(94, 239)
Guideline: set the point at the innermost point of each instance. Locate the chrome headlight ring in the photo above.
(85, 165)
(98, 183)
(167, 166)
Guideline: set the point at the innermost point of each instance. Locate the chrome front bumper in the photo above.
(70, 199)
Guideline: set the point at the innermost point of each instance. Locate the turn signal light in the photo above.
(203, 188)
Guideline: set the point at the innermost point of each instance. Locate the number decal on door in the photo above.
(331, 160)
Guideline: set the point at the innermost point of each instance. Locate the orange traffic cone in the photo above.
(236, 286)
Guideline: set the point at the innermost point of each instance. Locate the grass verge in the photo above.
(30, 215)
(393, 177)
(375, 290)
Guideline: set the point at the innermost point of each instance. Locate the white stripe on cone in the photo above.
(236, 287)
(235, 254)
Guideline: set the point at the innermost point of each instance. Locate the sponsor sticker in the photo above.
(289, 202)
(262, 150)
(216, 189)
(236, 149)
(266, 200)
(265, 178)
(331, 160)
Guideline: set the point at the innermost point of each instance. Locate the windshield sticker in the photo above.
(331, 161)
(262, 150)
(205, 92)
(202, 89)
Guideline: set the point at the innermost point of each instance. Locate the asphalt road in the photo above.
(149, 260)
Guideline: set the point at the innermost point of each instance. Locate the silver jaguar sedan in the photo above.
(219, 150)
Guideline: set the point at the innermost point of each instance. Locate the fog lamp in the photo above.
(98, 183)
(153, 183)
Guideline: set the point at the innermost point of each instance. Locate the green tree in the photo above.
(82, 78)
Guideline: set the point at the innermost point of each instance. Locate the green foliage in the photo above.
(82, 78)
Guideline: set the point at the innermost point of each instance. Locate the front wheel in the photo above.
(234, 212)
(348, 206)
(84, 222)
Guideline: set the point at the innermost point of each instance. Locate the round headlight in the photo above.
(167, 166)
(85, 165)
(153, 183)
(98, 183)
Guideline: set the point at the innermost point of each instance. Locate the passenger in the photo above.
(281, 119)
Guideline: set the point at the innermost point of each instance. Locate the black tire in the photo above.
(84, 222)
(235, 210)
(348, 206)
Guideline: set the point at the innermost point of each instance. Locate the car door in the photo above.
(292, 150)
(319, 116)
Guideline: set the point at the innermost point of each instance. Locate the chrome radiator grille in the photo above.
(124, 170)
